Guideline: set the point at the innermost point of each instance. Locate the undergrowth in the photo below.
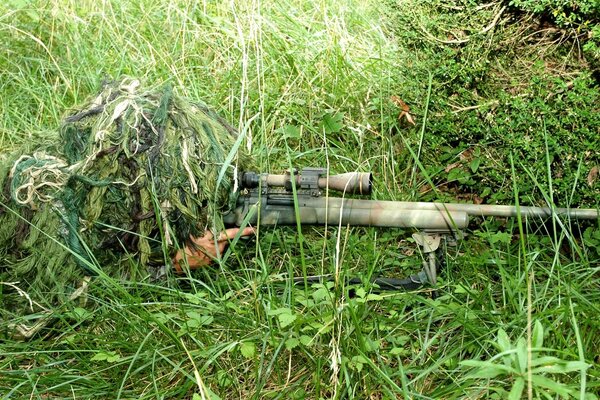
(505, 110)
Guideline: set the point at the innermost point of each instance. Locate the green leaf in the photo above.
(99, 357)
(277, 311)
(321, 294)
(572, 366)
(460, 289)
(291, 343)
(196, 319)
(374, 297)
(561, 367)
(537, 340)
(332, 122)
(455, 174)
(286, 319)
(306, 340)
(211, 395)
(360, 292)
(488, 369)
(108, 356)
(193, 298)
(474, 164)
(224, 379)
(398, 351)
(80, 313)
(500, 237)
(556, 387)
(372, 345)
(17, 4)
(192, 323)
(401, 340)
(503, 341)
(522, 355)
(517, 389)
(248, 349)
(358, 362)
(160, 317)
(545, 360)
(291, 132)
(206, 320)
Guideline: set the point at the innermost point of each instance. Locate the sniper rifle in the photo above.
(292, 198)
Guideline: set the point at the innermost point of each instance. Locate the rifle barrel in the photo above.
(503, 211)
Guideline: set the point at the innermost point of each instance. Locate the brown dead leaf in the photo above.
(593, 175)
(466, 155)
(407, 251)
(463, 157)
(404, 109)
(400, 103)
(470, 197)
(405, 247)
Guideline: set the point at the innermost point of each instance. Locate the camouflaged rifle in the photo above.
(270, 200)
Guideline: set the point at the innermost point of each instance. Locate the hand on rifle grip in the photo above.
(201, 251)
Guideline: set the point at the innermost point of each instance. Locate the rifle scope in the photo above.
(312, 179)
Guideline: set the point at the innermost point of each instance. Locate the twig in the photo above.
(460, 41)
(24, 332)
(494, 21)
(469, 108)
(487, 5)
(23, 293)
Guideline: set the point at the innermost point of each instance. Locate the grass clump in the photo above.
(318, 83)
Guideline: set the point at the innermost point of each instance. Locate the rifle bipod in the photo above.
(433, 254)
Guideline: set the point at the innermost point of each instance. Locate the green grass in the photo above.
(311, 84)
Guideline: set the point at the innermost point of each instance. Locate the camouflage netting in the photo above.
(133, 176)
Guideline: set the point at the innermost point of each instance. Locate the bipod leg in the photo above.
(429, 244)
(430, 268)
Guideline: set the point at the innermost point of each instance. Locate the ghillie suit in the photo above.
(134, 175)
